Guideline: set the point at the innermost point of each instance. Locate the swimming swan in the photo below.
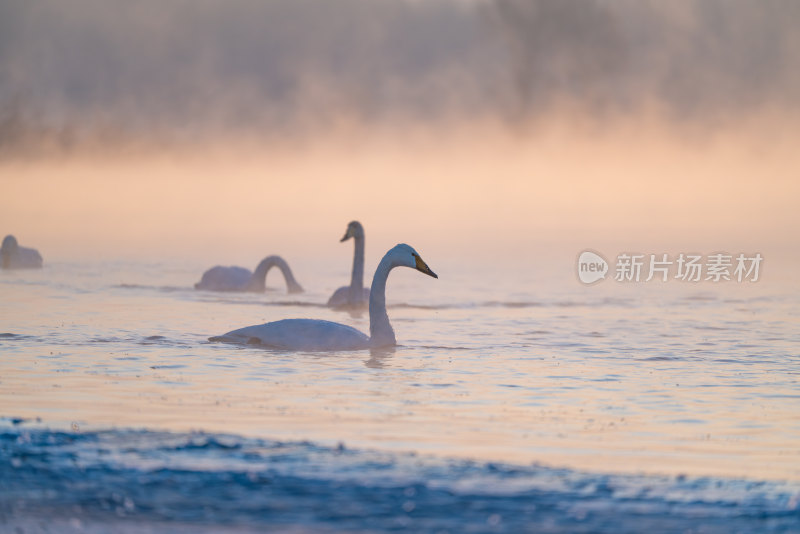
(13, 256)
(313, 334)
(240, 279)
(355, 295)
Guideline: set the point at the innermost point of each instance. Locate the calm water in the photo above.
(516, 401)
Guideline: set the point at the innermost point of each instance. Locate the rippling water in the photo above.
(529, 402)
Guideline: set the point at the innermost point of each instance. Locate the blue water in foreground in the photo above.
(144, 481)
(515, 402)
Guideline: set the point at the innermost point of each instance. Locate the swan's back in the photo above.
(26, 258)
(299, 334)
(341, 298)
(221, 278)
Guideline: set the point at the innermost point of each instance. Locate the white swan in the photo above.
(312, 334)
(13, 256)
(354, 296)
(240, 279)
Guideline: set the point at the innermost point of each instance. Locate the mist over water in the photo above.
(144, 142)
(199, 126)
(92, 72)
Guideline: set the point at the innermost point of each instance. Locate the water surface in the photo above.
(682, 388)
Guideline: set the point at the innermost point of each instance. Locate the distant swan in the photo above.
(13, 256)
(240, 279)
(314, 334)
(355, 295)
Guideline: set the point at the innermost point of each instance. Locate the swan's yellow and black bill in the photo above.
(347, 235)
(423, 267)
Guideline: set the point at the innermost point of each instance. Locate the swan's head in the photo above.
(354, 229)
(8, 250)
(10, 243)
(408, 257)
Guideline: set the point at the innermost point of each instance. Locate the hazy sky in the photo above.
(187, 68)
(233, 129)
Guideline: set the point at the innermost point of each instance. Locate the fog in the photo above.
(93, 70)
(228, 130)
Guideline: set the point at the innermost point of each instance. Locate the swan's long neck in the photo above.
(380, 330)
(258, 282)
(10, 248)
(357, 280)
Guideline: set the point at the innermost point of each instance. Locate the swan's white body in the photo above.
(13, 256)
(355, 296)
(313, 334)
(299, 334)
(347, 298)
(221, 278)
